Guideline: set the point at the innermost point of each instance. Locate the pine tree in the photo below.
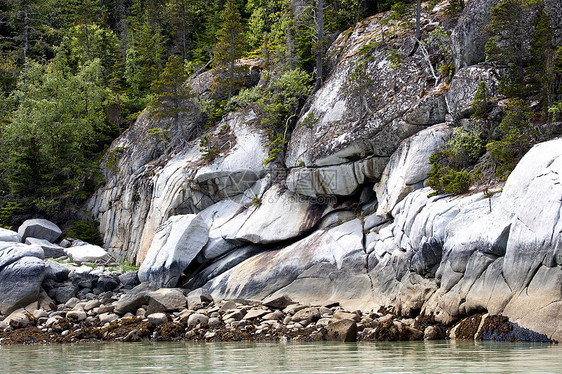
(230, 44)
(172, 90)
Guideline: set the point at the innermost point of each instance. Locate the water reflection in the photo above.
(400, 357)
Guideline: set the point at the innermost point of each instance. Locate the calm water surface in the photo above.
(400, 357)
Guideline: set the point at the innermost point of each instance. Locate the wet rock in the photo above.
(129, 280)
(344, 330)
(40, 229)
(433, 333)
(55, 271)
(106, 283)
(64, 293)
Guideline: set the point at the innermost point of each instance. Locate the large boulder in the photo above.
(175, 245)
(20, 283)
(165, 300)
(87, 253)
(11, 252)
(50, 249)
(40, 229)
(8, 235)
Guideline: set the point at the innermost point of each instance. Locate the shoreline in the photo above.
(141, 314)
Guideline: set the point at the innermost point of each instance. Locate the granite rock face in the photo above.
(346, 215)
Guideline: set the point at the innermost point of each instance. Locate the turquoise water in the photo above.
(399, 357)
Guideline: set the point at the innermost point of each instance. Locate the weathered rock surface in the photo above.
(176, 244)
(20, 283)
(87, 253)
(40, 229)
(409, 167)
(50, 249)
(8, 235)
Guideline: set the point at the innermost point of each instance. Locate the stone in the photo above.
(76, 315)
(129, 280)
(198, 298)
(108, 317)
(281, 215)
(228, 305)
(277, 302)
(307, 315)
(12, 252)
(166, 300)
(50, 249)
(464, 85)
(8, 235)
(175, 245)
(87, 253)
(344, 330)
(40, 229)
(467, 39)
(346, 315)
(106, 283)
(255, 313)
(197, 318)
(132, 300)
(20, 283)
(157, 318)
(55, 271)
(92, 304)
(433, 333)
(18, 319)
(64, 293)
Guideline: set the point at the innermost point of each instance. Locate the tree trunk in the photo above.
(418, 16)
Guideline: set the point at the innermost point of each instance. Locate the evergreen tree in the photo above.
(172, 90)
(230, 45)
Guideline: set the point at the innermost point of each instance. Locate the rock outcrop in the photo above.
(346, 215)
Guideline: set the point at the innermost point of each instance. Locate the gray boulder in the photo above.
(198, 298)
(11, 252)
(64, 293)
(129, 280)
(344, 330)
(20, 283)
(134, 299)
(50, 249)
(165, 300)
(176, 243)
(8, 235)
(40, 229)
(55, 271)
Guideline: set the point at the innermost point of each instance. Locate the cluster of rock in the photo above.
(169, 314)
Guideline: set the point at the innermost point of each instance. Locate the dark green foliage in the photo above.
(449, 167)
(517, 137)
(172, 92)
(86, 230)
(480, 104)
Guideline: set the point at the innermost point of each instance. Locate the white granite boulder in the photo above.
(40, 229)
(87, 253)
(176, 243)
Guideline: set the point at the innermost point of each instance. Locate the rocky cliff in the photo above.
(346, 215)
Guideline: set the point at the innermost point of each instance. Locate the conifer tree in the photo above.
(230, 44)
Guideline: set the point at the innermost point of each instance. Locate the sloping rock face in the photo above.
(347, 218)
